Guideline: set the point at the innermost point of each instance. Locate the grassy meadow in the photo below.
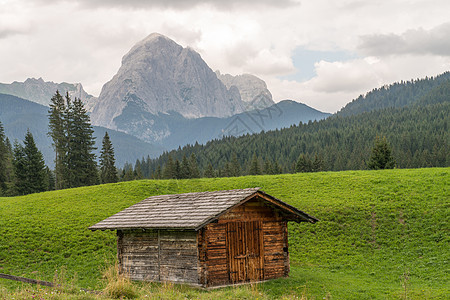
(382, 235)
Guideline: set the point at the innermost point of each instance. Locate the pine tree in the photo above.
(304, 164)
(9, 168)
(381, 157)
(80, 158)
(169, 169)
(185, 171)
(235, 167)
(57, 131)
(177, 174)
(3, 161)
(255, 169)
(158, 173)
(29, 166)
(193, 166)
(20, 172)
(108, 171)
(209, 172)
(318, 163)
(51, 179)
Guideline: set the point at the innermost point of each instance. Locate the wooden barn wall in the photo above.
(213, 249)
(276, 255)
(162, 255)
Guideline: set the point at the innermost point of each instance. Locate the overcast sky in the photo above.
(320, 52)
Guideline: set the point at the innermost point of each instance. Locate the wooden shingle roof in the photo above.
(189, 211)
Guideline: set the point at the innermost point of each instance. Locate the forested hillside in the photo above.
(399, 94)
(417, 132)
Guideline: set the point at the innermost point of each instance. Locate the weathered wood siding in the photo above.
(214, 260)
(276, 255)
(159, 255)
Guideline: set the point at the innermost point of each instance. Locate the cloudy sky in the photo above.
(320, 52)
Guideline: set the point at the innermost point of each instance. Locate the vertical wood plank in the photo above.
(159, 255)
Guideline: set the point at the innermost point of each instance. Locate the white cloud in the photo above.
(413, 41)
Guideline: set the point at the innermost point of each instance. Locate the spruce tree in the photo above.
(318, 163)
(3, 161)
(80, 158)
(209, 172)
(304, 164)
(185, 171)
(177, 169)
(381, 157)
(193, 166)
(57, 131)
(169, 169)
(255, 169)
(10, 176)
(235, 167)
(108, 171)
(29, 166)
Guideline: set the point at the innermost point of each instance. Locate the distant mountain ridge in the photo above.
(40, 91)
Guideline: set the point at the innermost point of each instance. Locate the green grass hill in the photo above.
(381, 235)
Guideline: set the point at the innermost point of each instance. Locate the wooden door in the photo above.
(245, 251)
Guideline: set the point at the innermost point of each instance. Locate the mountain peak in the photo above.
(158, 76)
(154, 45)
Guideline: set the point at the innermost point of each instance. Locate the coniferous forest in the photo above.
(411, 116)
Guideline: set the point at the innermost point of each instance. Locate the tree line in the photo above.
(22, 167)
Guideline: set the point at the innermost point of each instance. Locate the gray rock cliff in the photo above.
(159, 76)
(252, 89)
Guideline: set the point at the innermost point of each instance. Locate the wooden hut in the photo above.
(206, 239)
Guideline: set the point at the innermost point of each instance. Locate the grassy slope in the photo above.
(379, 230)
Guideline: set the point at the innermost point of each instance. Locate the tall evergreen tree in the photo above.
(193, 166)
(209, 172)
(304, 164)
(10, 176)
(381, 157)
(185, 171)
(317, 163)
(108, 171)
(235, 167)
(29, 166)
(255, 168)
(3, 160)
(81, 157)
(169, 171)
(57, 131)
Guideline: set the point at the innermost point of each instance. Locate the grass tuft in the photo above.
(117, 284)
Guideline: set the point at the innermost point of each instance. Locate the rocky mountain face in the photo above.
(40, 91)
(253, 90)
(159, 76)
